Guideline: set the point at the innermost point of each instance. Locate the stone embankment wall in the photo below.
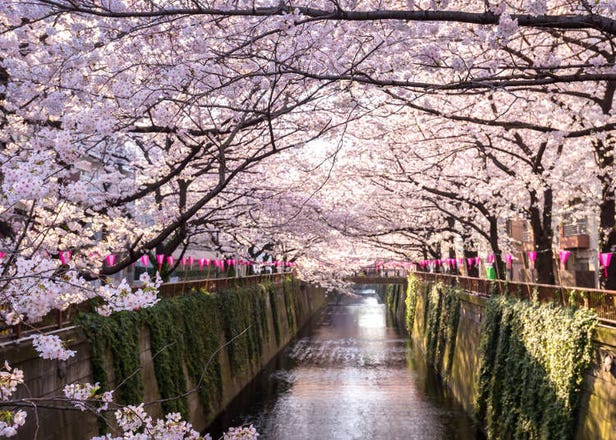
(191, 354)
(451, 342)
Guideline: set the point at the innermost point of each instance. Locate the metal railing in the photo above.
(58, 319)
(603, 302)
(215, 284)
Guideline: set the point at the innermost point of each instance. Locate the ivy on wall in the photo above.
(115, 360)
(391, 295)
(442, 310)
(185, 333)
(533, 359)
(413, 290)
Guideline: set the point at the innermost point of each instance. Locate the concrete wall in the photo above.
(45, 379)
(598, 408)
(597, 414)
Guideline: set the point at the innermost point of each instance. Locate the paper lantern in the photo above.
(160, 259)
(532, 257)
(145, 260)
(605, 258)
(563, 256)
(65, 256)
(509, 260)
(110, 259)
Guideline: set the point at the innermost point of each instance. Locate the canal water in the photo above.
(349, 375)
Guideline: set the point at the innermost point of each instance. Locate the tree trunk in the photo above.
(607, 210)
(473, 270)
(607, 216)
(498, 257)
(541, 224)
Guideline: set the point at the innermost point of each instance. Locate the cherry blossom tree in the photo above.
(142, 127)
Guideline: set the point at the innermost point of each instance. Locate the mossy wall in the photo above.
(191, 354)
(524, 370)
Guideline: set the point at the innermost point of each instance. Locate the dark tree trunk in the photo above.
(607, 211)
(605, 160)
(472, 269)
(541, 224)
(498, 257)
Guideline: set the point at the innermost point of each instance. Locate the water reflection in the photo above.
(349, 376)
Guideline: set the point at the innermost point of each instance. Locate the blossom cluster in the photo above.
(136, 424)
(241, 433)
(10, 421)
(86, 396)
(51, 347)
(123, 297)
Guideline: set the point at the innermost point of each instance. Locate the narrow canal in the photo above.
(349, 375)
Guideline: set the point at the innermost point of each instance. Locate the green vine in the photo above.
(185, 333)
(545, 348)
(412, 293)
(114, 345)
(532, 358)
(274, 306)
(442, 306)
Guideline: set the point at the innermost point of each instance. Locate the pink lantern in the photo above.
(491, 258)
(532, 257)
(145, 260)
(160, 259)
(170, 260)
(2, 255)
(183, 262)
(460, 261)
(605, 258)
(221, 264)
(190, 261)
(563, 256)
(110, 259)
(477, 261)
(470, 261)
(65, 256)
(202, 263)
(509, 260)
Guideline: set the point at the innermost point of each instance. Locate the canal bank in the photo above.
(350, 374)
(543, 376)
(191, 354)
